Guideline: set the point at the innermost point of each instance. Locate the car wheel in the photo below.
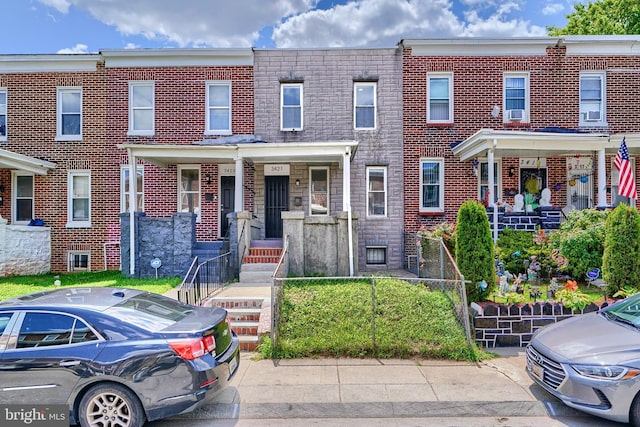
(634, 412)
(110, 405)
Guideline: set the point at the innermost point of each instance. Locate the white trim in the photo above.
(440, 207)
(142, 132)
(60, 91)
(71, 222)
(208, 107)
(449, 77)
(124, 180)
(14, 196)
(584, 116)
(3, 112)
(600, 45)
(195, 57)
(526, 113)
(385, 191)
(498, 172)
(51, 63)
(356, 85)
(327, 190)
(198, 191)
(479, 46)
(300, 86)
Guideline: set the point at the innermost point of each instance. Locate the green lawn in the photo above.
(334, 318)
(20, 285)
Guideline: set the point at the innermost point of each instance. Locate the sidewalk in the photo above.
(328, 388)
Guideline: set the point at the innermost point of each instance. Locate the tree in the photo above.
(601, 17)
(474, 250)
(621, 258)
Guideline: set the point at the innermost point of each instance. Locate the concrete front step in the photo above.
(257, 273)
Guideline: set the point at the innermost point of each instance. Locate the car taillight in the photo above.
(190, 349)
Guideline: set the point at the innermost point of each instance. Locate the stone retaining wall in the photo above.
(546, 218)
(24, 249)
(513, 325)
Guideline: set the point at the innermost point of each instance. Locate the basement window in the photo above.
(377, 255)
(79, 261)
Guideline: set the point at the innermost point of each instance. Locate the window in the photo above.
(319, 191)
(79, 261)
(484, 180)
(364, 95)
(440, 104)
(141, 108)
(124, 188)
(48, 329)
(69, 114)
(3, 114)
(376, 191)
(79, 199)
(219, 108)
(291, 99)
(516, 97)
(616, 198)
(23, 196)
(432, 185)
(376, 255)
(189, 190)
(592, 99)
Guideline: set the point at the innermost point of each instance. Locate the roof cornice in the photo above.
(624, 45)
(170, 57)
(62, 63)
(480, 46)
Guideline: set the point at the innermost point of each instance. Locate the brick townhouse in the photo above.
(515, 116)
(297, 141)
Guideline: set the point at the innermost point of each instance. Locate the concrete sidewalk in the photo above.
(342, 389)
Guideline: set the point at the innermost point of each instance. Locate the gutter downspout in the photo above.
(346, 203)
(133, 191)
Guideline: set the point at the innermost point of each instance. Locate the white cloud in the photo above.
(61, 6)
(78, 48)
(552, 8)
(368, 23)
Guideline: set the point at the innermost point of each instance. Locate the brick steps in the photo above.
(244, 316)
(260, 255)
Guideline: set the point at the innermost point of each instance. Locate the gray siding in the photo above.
(328, 76)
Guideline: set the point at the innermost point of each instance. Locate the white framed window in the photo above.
(616, 198)
(432, 185)
(516, 97)
(3, 114)
(218, 120)
(189, 189)
(69, 114)
(440, 97)
(79, 261)
(364, 105)
(592, 99)
(376, 255)
(291, 107)
(483, 181)
(319, 190)
(376, 191)
(141, 108)
(79, 198)
(124, 188)
(22, 197)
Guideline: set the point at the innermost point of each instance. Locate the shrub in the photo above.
(621, 258)
(513, 247)
(572, 298)
(581, 240)
(475, 251)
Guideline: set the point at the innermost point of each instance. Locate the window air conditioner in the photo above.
(592, 116)
(515, 114)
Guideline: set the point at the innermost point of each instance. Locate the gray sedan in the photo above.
(592, 362)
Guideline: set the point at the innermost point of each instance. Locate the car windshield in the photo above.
(625, 311)
(150, 311)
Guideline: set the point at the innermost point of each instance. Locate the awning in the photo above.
(11, 160)
(552, 142)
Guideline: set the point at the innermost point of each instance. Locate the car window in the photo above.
(4, 321)
(151, 311)
(47, 329)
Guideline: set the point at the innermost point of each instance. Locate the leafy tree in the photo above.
(475, 251)
(621, 259)
(601, 17)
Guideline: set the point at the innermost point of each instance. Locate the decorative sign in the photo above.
(156, 263)
(276, 170)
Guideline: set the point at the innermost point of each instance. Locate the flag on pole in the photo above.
(626, 179)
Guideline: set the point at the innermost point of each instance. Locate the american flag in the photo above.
(626, 179)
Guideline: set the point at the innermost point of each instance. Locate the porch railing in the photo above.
(205, 278)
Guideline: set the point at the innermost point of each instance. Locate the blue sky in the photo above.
(59, 26)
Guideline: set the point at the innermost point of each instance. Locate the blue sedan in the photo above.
(115, 356)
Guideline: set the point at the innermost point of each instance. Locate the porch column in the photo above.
(346, 202)
(239, 186)
(602, 178)
(133, 192)
(491, 185)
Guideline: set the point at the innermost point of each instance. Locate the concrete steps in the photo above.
(254, 273)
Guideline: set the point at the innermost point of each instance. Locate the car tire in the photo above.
(634, 412)
(110, 405)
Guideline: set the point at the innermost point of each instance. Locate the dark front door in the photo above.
(276, 200)
(227, 201)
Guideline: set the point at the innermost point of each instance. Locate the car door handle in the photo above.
(68, 363)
